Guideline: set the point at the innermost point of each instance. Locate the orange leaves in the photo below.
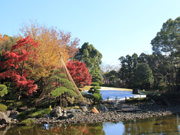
(6, 42)
(2, 38)
(52, 42)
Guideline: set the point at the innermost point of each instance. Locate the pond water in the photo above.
(169, 125)
(119, 94)
(112, 94)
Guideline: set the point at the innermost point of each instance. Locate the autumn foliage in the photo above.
(79, 73)
(2, 38)
(15, 63)
(31, 59)
(52, 42)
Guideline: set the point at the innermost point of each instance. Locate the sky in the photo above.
(115, 27)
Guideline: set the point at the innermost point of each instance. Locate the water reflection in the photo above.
(111, 128)
(57, 129)
(78, 129)
(163, 125)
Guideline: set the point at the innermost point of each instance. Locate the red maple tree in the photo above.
(79, 73)
(16, 62)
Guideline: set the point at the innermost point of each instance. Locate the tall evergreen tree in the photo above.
(167, 44)
(92, 58)
(128, 66)
(111, 78)
(143, 76)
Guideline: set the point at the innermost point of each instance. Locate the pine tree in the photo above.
(3, 90)
(95, 92)
(61, 88)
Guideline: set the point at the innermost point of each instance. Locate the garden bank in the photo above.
(116, 114)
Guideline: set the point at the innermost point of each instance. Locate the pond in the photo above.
(169, 125)
(119, 94)
(112, 94)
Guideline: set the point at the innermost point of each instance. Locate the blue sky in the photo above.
(115, 27)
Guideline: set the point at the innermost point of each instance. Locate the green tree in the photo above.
(128, 66)
(158, 65)
(168, 39)
(143, 76)
(61, 88)
(6, 42)
(96, 96)
(92, 58)
(167, 44)
(111, 78)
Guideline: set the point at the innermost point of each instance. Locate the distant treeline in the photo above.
(159, 70)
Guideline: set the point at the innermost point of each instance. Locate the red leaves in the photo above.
(79, 73)
(16, 62)
(26, 43)
(27, 85)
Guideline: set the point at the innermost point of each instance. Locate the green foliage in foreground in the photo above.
(60, 86)
(27, 122)
(12, 104)
(61, 90)
(94, 84)
(39, 113)
(3, 90)
(97, 97)
(33, 113)
(3, 108)
(95, 92)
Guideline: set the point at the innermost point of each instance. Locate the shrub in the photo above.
(94, 84)
(96, 96)
(162, 86)
(79, 73)
(137, 100)
(27, 122)
(3, 90)
(40, 112)
(3, 108)
(100, 82)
